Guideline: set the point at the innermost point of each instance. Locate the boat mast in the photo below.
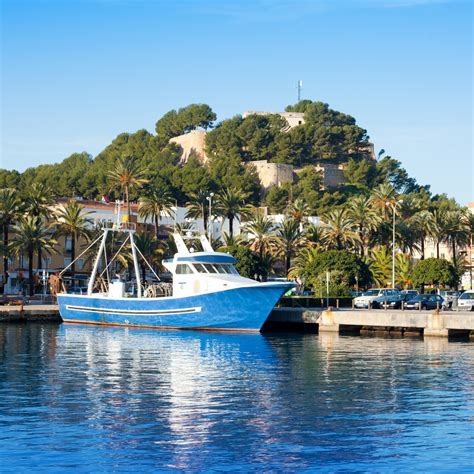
(90, 286)
(135, 264)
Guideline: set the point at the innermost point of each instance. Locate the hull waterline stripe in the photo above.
(133, 312)
(171, 328)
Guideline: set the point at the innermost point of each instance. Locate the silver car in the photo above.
(466, 301)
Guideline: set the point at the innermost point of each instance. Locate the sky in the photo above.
(76, 73)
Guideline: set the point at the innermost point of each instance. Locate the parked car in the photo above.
(409, 294)
(466, 301)
(391, 299)
(449, 296)
(368, 297)
(426, 302)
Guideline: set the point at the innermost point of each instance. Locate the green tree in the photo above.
(360, 173)
(149, 249)
(365, 219)
(154, 204)
(127, 174)
(248, 263)
(422, 223)
(198, 207)
(10, 210)
(261, 232)
(380, 265)
(456, 231)
(403, 270)
(349, 264)
(31, 235)
(434, 271)
(289, 238)
(37, 203)
(231, 204)
(73, 223)
(339, 229)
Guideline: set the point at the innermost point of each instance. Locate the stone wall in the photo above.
(192, 142)
(272, 174)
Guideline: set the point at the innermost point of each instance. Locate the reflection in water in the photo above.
(106, 399)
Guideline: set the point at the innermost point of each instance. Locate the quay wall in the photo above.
(435, 323)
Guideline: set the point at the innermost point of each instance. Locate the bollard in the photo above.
(337, 303)
(403, 306)
(353, 307)
(322, 303)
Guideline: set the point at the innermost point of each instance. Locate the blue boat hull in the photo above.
(243, 309)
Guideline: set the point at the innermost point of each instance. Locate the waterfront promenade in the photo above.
(422, 323)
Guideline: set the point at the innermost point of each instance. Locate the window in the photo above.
(80, 264)
(67, 261)
(210, 268)
(183, 269)
(200, 268)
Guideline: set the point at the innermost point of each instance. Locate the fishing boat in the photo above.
(206, 293)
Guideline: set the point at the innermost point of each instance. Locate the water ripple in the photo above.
(112, 400)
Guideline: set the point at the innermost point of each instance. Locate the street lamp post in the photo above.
(393, 206)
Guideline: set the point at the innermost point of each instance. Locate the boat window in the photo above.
(233, 270)
(183, 269)
(226, 268)
(221, 268)
(200, 268)
(210, 268)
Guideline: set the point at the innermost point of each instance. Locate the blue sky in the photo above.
(75, 73)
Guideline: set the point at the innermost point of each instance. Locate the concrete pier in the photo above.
(428, 323)
(30, 313)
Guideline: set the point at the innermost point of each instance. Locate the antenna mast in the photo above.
(300, 86)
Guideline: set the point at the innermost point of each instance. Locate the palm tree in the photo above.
(156, 204)
(365, 218)
(457, 230)
(38, 200)
(299, 210)
(149, 249)
(10, 208)
(439, 228)
(262, 237)
(126, 175)
(230, 204)
(30, 235)
(380, 265)
(305, 259)
(404, 269)
(288, 238)
(339, 230)
(312, 234)
(422, 223)
(230, 241)
(197, 207)
(74, 223)
(384, 196)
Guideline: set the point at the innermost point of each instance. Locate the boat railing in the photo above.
(121, 226)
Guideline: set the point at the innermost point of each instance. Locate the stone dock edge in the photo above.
(418, 323)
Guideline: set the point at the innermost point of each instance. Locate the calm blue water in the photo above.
(109, 400)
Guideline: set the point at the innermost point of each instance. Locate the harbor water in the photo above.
(94, 399)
